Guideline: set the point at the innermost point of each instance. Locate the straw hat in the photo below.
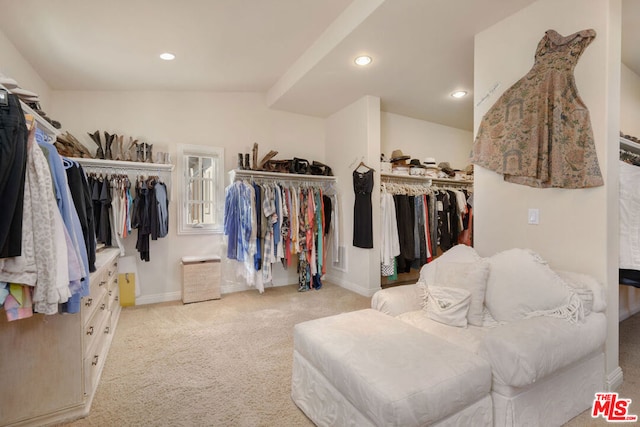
(398, 156)
(430, 163)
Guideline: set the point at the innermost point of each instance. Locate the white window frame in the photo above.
(218, 185)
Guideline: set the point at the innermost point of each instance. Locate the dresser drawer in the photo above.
(91, 303)
(114, 294)
(96, 355)
(94, 327)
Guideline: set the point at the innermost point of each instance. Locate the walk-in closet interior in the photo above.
(264, 146)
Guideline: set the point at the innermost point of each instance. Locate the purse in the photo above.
(318, 168)
(299, 166)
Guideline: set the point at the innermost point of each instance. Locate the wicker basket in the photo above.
(200, 279)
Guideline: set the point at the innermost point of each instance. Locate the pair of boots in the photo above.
(109, 149)
(114, 148)
(145, 153)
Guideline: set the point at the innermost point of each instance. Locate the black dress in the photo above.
(362, 222)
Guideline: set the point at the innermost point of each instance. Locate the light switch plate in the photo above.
(534, 216)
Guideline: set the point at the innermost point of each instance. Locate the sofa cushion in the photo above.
(584, 282)
(526, 351)
(459, 267)
(458, 253)
(471, 276)
(521, 284)
(448, 305)
(393, 373)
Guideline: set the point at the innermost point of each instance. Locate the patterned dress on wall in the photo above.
(538, 133)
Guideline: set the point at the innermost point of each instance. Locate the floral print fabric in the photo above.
(538, 133)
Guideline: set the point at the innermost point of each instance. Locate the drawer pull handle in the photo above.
(95, 360)
(110, 273)
(90, 330)
(110, 292)
(102, 283)
(103, 306)
(88, 302)
(106, 330)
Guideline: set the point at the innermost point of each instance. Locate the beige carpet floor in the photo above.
(215, 363)
(228, 362)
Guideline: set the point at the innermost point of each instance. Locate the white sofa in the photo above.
(527, 349)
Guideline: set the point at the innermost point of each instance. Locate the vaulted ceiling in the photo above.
(298, 52)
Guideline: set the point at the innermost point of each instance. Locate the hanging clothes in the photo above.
(13, 163)
(362, 210)
(270, 223)
(629, 262)
(389, 242)
(81, 194)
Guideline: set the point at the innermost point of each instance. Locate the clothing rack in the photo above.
(326, 182)
(392, 177)
(445, 184)
(119, 167)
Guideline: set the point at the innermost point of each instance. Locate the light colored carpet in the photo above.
(629, 360)
(228, 362)
(215, 363)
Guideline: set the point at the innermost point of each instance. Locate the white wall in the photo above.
(15, 66)
(230, 120)
(629, 125)
(353, 135)
(420, 139)
(578, 228)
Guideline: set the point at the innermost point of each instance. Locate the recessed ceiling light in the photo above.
(363, 60)
(168, 56)
(459, 94)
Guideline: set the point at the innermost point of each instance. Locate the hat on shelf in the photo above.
(430, 163)
(415, 163)
(446, 168)
(398, 156)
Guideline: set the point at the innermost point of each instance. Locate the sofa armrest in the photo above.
(397, 300)
(528, 350)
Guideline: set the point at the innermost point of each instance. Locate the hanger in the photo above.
(362, 164)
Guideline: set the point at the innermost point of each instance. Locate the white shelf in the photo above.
(415, 178)
(629, 145)
(120, 164)
(241, 173)
(42, 123)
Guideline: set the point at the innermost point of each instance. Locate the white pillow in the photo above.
(583, 281)
(471, 276)
(522, 285)
(458, 253)
(448, 305)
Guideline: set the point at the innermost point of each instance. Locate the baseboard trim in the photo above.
(351, 286)
(156, 298)
(614, 379)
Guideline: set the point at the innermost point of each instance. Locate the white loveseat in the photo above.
(542, 331)
(526, 348)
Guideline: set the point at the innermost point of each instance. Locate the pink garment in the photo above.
(18, 304)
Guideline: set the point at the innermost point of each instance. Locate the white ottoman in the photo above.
(366, 368)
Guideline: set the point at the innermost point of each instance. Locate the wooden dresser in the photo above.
(50, 365)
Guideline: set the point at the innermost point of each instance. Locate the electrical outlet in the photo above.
(534, 216)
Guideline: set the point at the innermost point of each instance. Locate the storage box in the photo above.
(127, 285)
(200, 278)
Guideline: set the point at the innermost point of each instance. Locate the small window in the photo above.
(202, 184)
